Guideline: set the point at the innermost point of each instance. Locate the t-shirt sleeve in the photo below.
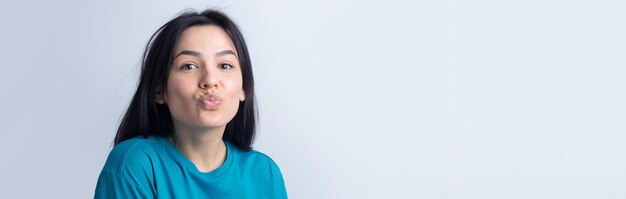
(279, 184)
(127, 172)
(272, 180)
(112, 185)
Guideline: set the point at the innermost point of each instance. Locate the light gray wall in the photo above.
(358, 99)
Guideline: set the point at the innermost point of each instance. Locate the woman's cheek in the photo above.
(178, 90)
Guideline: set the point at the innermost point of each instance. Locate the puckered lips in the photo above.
(210, 101)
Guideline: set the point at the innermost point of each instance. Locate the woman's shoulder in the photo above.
(258, 166)
(132, 154)
(139, 143)
(129, 168)
(253, 158)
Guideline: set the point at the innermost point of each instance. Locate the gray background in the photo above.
(358, 99)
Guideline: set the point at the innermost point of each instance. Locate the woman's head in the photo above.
(196, 72)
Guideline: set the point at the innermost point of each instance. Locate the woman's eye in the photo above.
(226, 66)
(188, 66)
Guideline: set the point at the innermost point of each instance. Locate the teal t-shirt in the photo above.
(152, 168)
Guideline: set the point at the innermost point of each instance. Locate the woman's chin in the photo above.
(212, 123)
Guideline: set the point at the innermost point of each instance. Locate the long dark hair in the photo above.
(145, 117)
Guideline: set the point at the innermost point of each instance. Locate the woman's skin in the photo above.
(203, 92)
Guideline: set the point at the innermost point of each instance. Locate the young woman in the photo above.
(190, 125)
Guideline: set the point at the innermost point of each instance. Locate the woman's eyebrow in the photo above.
(197, 54)
(225, 52)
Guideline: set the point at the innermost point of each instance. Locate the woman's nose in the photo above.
(208, 81)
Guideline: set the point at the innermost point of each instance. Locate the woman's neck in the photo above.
(204, 147)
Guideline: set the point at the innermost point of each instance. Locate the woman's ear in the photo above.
(159, 98)
(242, 95)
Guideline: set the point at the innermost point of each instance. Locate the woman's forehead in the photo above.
(205, 39)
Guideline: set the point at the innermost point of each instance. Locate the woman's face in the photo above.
(204, 86)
